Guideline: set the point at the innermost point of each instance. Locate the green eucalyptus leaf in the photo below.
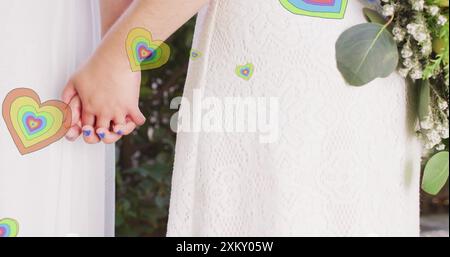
(424, 99)
(366, 52)
(436, 173)
(373, 16)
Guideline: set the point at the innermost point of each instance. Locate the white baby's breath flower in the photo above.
(420, 36)
(418, 5)
(442, 104)
(399, 34)
(412, 28)
(429, 145)
(427, 48)
(442, 20)
(416, 73)
(440, 147)
(408, 63)
(433, 10)
(427, 123)
(444, 133)
(406, 51)
(418, 31)
(434, 137)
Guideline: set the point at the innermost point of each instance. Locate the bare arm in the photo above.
(161, 17)
(110, 11)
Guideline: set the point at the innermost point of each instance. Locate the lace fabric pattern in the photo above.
(347, 160)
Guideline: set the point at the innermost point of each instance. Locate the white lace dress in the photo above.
(346, 162)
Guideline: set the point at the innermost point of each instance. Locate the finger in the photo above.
(107, 136)
(103, 124)
(75, 106)
(137, 116)
(87, 119)
(69, 92)
(73, 133)
(119, 124)
(89, 136)
(130, 126)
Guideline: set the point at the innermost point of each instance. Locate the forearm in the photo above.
(161, 17)
(110, 11)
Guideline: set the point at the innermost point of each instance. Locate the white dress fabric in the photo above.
(65, 189)
(347, 160)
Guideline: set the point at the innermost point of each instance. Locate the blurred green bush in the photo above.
(144, 160)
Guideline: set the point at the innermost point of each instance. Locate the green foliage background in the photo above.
(145, 160)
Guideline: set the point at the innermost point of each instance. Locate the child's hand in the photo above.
(90, 137)
(75, 130)
(109, 97)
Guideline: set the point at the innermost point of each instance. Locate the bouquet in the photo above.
(412, 37)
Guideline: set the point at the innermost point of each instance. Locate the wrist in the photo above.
(112, 55)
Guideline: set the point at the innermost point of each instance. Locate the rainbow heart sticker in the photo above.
(331, 9)
(143, 52)
(9, 228)
(245, 71)
(195, 54)
(31, 124)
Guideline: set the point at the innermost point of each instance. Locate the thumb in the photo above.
(75, 107)
(69, 92)
(73, 133)
(137, 117)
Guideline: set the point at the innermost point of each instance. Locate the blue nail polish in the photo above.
(86, 133)
(119, 132)
(101, 135)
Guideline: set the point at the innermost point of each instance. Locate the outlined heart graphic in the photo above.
(245, 71)
(331, 9)
(34, 125)
(144, 53)
(195, 54)
(9, 227)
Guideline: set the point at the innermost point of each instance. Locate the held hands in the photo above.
(93, 92)
(104, 93)
(104, 101)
